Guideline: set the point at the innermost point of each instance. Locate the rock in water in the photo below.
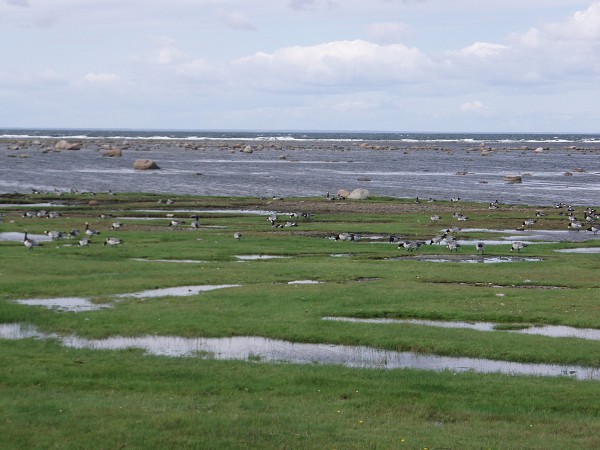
(145, 164)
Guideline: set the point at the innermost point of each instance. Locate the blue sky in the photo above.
(380, 65)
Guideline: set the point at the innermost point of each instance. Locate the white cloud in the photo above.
(93, 77)
(338, 63)
(473, 106)
(482, 50)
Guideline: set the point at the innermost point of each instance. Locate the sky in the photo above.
(343, 65)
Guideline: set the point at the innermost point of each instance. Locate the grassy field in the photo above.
(62, 397)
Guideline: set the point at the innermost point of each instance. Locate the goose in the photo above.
(237, 235)
(438, 239)
(54, 235)
(175, 223)
(29, 243)
(480, 246)
(575, 225)
(342, 237)
(594, 229)
(116, 225)
(410, 246)
(113, 241)
(272, 219)
(453, 246)
(517, 246)
(455, 199)
(435, 218)
(84, 241)
(90, 232)
(195, 224)
(529, 222)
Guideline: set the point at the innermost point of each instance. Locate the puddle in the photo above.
(181, 261)
(341, 255)
(180, 291)
(11, 236)
(257, 257)
(304, 282)
(79, 304)
(270, 350)
(466, 259)
(211, 211)
(31, 205)
(72, 304)
(538, 235)
(557, 331)
(580, 250)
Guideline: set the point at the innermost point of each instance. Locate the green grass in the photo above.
(57, 397)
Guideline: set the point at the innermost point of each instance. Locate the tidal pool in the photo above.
(257, 257)
(557, 331)
(259, 349)
(181, 261)
(579, 250)
(11, 236)
(179, 291)
(79, 304)
(472, 259)
(73, 304)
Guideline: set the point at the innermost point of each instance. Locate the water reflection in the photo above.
(542, 330)
(271, 350)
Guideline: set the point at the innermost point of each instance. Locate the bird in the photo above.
(116, 225)
(480, 246)
(195, 224)
(529, 222)
(438, 239)
(410, 246)
(29, 243)
(517, 246)
(594, 229)
(453, 246)
(84, 241)
(89, 231)
(175, 223)
(575, 225)
(435, 218)
(54, 235)
(237, 235)
(113, 241)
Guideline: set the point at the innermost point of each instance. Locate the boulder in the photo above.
(247, 149)
(359, 194)
(539, 150)
(66, 145)
(145, 164)
(113, 153)
(343, 193)
(513, 178)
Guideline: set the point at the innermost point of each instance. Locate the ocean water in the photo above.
(403, 165)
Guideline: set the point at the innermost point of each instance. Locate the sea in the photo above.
(553, 168)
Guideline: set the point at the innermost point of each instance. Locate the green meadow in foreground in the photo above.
(54, 396)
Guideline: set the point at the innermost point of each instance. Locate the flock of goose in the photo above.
(447, 238)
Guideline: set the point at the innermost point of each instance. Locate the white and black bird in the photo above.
(518, 246)
(113, 241)
(176, 223)
(90, 232)
(480, 246)
(84, 241)
(529, 222)
(237, 236)
(116, 225)
(29, 243)
(410, 246)
(453, 246)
